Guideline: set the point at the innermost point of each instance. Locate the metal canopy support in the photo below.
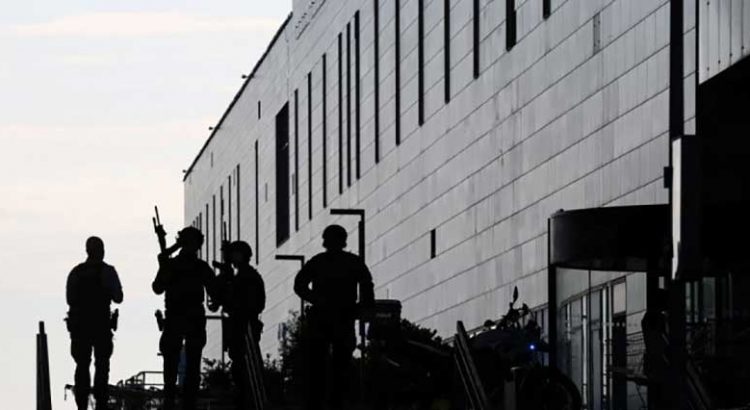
(301, 260)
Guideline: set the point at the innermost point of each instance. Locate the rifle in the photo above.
(161, 235)
(224, 267)
(164, 252)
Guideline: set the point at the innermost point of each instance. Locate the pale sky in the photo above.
(102, 105)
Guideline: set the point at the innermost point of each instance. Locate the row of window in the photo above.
(208, 224)
(346, 41)
(351, 38)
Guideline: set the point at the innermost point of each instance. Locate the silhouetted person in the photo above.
(91, 287)
(655, 338)
(243, 297)
(183, 279)
(335, 276)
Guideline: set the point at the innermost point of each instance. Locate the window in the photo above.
(208, 235)
(239, 202)
(433, 244)
(258, 109)
(376, 70)
(221, 212)
(447, 49)
(510, 24)
(546, 9)
(341, 118)
(420, 62)
(356, 96)
(309, 147)
(475, 38)
(282, 175)
(257, 206)
(229, 208)
(348, 105)
(397, 73)
(324, 137)
(296, 160)
(213, 222)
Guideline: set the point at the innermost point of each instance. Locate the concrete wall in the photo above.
(574, 116)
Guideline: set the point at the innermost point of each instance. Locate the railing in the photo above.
(43, 395)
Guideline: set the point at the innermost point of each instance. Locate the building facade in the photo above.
(459, 127)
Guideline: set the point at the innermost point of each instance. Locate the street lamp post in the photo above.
(360, 226)
(301, 260)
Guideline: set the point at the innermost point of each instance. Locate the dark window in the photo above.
(229, 208)
(376, 68)
(282, 175)
(348, 104)
(475, 42)
(258, 109)
(356, 96)
(341, 118)
(257, 206)
(433, 244)
(221, 211)
(208, 234)
(510, 24)
(213, 222)
(447, 48)
(397, 73)
(296, 160)
(324, 137)
(239, 202)
(309, 147)
(420, 61)
(546, 9)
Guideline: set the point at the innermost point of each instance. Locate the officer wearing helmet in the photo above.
(243, 298)
(91, 287)
(183, 279)
(339, 286)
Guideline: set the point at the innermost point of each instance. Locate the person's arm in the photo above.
(113, 285)
(258, 296)
(71, 287)
(366, 286)
(211, 283)
(162, 275)
(302, 283)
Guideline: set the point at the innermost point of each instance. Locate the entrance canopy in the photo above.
(612, 238)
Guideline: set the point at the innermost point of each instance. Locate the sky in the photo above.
(102, 105)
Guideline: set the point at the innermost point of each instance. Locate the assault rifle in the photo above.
(161, 236)
(164, 253)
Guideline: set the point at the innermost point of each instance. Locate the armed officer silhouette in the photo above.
(243, 297)
(183, 279)
(335, 275)
(91, 287)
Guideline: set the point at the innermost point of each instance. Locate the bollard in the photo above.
(43, 395)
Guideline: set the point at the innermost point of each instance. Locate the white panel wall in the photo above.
(724, 35)
(550, 124)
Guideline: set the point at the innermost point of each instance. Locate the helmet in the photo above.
(242, 247)
(334, 236)
(191, 234)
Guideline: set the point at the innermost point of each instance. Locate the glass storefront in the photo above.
(600, 341)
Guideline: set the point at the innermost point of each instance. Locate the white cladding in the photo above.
(724, 35)
(554, 123)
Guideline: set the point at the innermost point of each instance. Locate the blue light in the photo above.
(532, 346)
